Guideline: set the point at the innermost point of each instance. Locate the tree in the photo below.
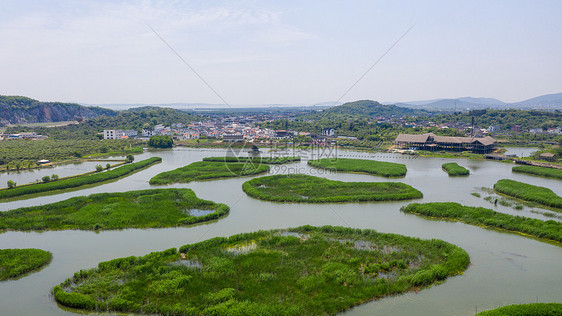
(46, 179)
(107, 166)
(161, 141)
(11, 184)
(129, 158)
(54, 177)
(99, 168)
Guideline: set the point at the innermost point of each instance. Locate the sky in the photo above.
(278, 52)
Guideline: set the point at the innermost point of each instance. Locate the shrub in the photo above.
(133, 209)
(255, 160)
(528, 192)
(539, 171)
(161, 141)
(46, 179)
(485, 217)
(11, 184)
(381, 168)
(16, 262)
(73, 182)
(204, 170)
(309, 189)
(453, 169)
(525, 309)
(318, 274)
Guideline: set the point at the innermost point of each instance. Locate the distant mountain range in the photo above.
(545, 102)
(21, 110)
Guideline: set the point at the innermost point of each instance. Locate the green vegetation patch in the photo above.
(73, 182)
(17, 262)
(255, 160)
(309, 189)
(528, 192)
(205, 170)
(539, 171)
(22, 154)
(536, 309)
(133, 209)
(380, 168)
(298, 271)
(551, 230)
(453, 169)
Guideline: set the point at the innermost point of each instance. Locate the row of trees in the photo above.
(161, 141)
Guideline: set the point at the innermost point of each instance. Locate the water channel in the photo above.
(505, 268)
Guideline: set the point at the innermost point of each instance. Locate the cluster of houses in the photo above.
(552, 130)
(233, 131)
(25, 135)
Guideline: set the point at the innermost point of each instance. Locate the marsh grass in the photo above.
(15, 263)
(525, 309)
(133, 209)
(255, 160)
(454, 170)
(539, 171)
(78, 181)
(309, 189)
(380, 168)
(206, 170)
(551, 230)
(321, 270)
(528, 192)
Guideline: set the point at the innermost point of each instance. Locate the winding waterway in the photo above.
(506, 268)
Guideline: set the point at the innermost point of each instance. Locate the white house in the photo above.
(535, 130)
(147, 132)
(112, 133)
(328, 132)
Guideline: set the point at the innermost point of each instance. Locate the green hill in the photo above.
(362, 108)
(21, 110)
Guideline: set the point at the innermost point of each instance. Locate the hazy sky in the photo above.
(284, 52)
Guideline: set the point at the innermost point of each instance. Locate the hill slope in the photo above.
(363, 108)
(20, 110)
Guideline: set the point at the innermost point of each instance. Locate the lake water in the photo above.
(505, 268)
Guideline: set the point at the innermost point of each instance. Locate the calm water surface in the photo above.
(505, 269)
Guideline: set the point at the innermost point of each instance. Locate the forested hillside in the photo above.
(130, 119)
(20, 110)
(506, 119)
(362, 108)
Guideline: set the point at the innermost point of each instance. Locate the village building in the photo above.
(547, 156)
(328, 132)
(432, 142)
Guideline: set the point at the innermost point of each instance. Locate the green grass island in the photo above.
(77, 181)
(104, 211)
(15, 263)
(539, 171)
(536, 309)
(530, 193)
(207, 170)
(297, 271)
(379, 168)
(302, 188)
(255, 160)
(454, 170)
(543, 230)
